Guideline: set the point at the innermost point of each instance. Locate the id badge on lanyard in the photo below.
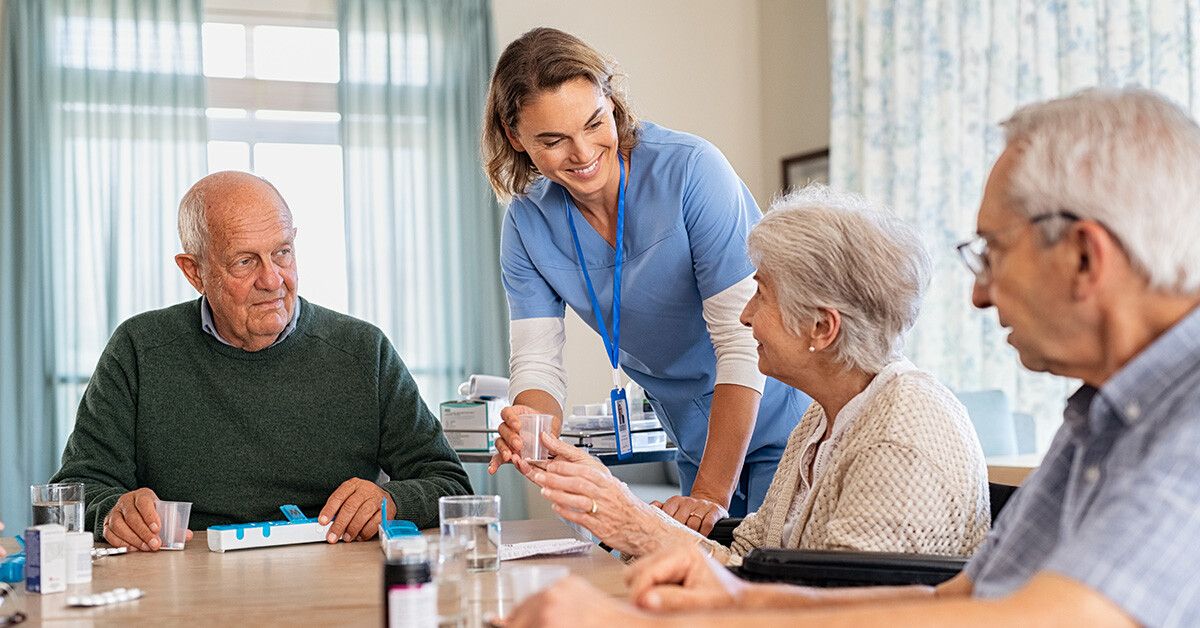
(620, 408)
(620, 404)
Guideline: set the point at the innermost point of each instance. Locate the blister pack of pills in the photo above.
(115, 596)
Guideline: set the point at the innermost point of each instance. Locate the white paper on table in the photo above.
(548, 547)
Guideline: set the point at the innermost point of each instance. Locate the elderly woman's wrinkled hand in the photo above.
(694, 512)
(583, 491)
(560, 451)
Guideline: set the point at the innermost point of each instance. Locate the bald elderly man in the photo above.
(251, 397)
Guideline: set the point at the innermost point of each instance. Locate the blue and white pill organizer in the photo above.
(296, 529)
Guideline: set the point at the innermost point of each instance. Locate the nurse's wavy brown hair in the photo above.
(542, 60)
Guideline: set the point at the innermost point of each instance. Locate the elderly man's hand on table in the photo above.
(354, 509)
(573, 601)
(133, 522)
(682, 577)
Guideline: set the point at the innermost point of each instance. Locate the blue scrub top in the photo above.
(687, 217)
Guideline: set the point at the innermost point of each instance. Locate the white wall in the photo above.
(795, 81)
(750, 77)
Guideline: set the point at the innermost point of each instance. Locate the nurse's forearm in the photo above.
(730, 425)
(544, 403)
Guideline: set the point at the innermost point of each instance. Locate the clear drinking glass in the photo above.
(526, 580)
(58, 503)
(476, 520)
(447, 558)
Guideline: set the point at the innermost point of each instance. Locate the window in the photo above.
(272, 110)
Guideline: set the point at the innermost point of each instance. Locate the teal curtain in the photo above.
(422, 225)
(918, 87)
(103, 130)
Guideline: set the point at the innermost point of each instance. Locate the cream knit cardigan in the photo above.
(909, 476)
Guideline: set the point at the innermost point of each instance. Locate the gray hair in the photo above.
(193, 223)
(830, 249)
(1128, 159)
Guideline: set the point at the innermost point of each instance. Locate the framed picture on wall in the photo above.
(805, 168)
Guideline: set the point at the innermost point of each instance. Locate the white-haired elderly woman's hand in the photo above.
(582, 490)
(561, 452)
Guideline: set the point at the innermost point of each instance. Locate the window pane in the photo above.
(224, 50)
(225, 113)
(124, 44)
(297, 116)
(228, 156)
(309, 176)
(293, 53)
(395, 58)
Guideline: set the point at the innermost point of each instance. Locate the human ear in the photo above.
(191, 269)
(826, 328)
(513, 139)
(1095, 251)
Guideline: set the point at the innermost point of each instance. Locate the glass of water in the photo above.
(475, 519)
(447, 558)
(58, 503)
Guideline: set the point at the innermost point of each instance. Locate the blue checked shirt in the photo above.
(210, 327)
(1116, 503)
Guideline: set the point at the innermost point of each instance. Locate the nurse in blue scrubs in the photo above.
(641, 230)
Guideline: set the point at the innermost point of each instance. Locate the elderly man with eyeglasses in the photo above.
(1089, 249)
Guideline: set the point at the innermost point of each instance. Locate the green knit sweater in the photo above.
(240, 433)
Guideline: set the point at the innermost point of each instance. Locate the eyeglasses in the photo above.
(974, 252)
(15, 618)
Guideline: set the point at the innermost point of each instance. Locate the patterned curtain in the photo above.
(918, 87)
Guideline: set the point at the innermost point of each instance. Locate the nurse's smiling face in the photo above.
(570, 135)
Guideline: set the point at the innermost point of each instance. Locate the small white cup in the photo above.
(531, 444)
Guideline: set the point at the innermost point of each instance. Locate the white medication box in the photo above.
(46, 558)
(470, 425)
(464, 415)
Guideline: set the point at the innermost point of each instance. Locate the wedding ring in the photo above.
(696, 515)
(595, 507)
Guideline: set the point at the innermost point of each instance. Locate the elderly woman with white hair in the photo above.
(885, 458)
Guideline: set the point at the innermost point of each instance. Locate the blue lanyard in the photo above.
(613, 346)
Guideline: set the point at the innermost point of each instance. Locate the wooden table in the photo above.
(1012, 469)
(297, 585)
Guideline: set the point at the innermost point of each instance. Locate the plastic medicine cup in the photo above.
(527, 580)
(532, 425)
(173, 523)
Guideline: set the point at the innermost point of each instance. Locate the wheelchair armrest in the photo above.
(821, 568)
(722, 531)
